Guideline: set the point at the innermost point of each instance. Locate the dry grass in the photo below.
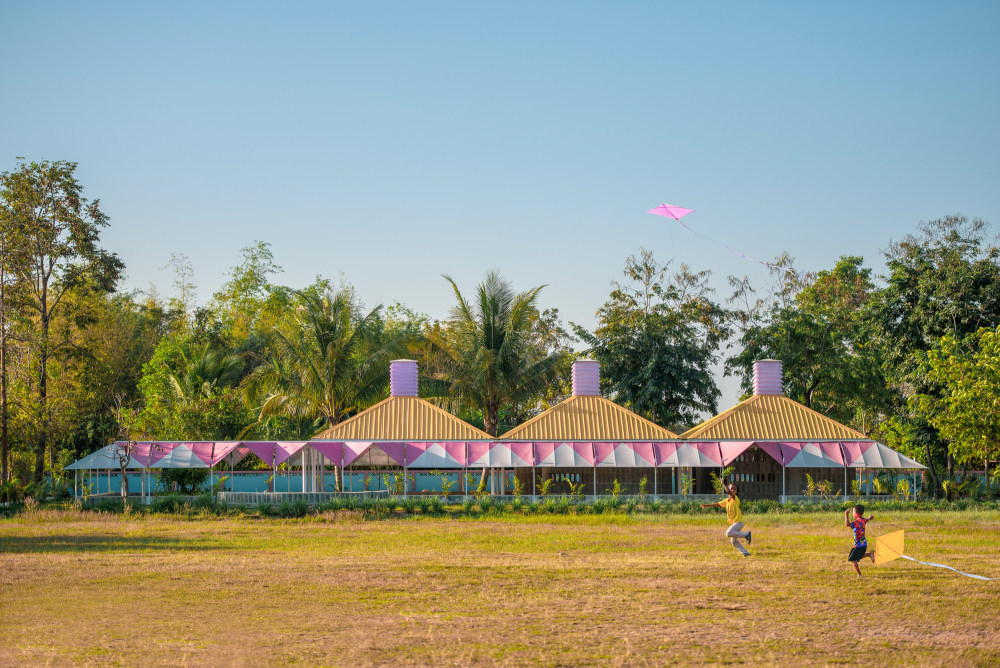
(103, 590)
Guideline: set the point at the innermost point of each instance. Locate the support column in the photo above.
(303, 451)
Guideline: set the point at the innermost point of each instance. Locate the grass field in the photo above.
(82, 588)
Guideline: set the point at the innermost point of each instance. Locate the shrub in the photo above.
(409, 504)
(467, 506)
(487, 504)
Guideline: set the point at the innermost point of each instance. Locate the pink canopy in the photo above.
(811, 455)
(564, 454)
(624, 455)
(443, 455)
(490, 455)
(733, 449)
(361, 453)
(693, 454)
(274, 453)
(332, 450)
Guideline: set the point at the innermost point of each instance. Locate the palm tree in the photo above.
(486, 355)
(205, 373)
(328, 362)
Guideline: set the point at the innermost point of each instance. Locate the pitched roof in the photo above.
(771, 417)
(588, 418)
(402, 419)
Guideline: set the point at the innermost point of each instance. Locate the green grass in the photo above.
(196, 588)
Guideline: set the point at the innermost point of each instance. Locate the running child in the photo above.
(735, 517)
(859, 551)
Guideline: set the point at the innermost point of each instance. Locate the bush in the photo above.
(409, 504)
(188, 480)
(467, 506)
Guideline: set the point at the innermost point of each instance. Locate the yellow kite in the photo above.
(890, 547)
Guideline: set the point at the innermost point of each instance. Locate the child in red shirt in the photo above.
(859, 551)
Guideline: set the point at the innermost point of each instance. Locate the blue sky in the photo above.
(396, 141)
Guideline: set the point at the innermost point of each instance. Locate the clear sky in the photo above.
(396, 141)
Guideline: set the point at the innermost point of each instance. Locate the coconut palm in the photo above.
(328, 361)
(486, 355)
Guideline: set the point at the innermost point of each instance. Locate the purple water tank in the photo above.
(403, 378)
(586, 378)
(767, 377)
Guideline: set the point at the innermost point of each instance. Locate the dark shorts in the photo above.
(857, 553)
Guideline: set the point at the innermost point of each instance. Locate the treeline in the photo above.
(911, 357)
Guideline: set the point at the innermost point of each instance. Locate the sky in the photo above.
(393, 142)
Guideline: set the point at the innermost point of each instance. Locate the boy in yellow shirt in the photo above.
(735, 517)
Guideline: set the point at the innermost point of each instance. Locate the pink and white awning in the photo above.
(690, 454)
(570, 455)
(624, 455)
(444, 455)
(500, 455)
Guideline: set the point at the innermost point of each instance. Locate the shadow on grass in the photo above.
(97, 543)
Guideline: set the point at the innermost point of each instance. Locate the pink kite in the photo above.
(670, 211)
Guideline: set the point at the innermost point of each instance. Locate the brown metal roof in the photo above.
(588, 418)
(771, 417)
(403, 419)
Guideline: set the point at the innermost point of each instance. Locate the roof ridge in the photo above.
(794, 407)
(555, 412)
(474, 433)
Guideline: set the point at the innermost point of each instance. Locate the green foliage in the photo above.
(446, 482)
(643, 483)
(187, 480)
(486, 356)
(328, 362)
(685, 483)
(615, 492)
(576, 491)
(657, 339)
(718, 480)
(544, 487)
(963, 405)
(813, 326)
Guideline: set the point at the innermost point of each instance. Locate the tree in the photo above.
(812, 326)
(965, 408)
(485, 354)
(58, 231)
(8, 313)
(328, 361)
(943, 281)
(191, 391)
(656, 340)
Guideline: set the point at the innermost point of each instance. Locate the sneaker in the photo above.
(749, 538)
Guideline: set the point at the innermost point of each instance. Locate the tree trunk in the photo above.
(935, 480)
(124, 483)
(43, 421)
(4, 448)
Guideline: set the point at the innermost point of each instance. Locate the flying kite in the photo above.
(890, 547)
(678, 212)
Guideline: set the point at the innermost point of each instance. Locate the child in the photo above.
(732, 506)
(858, 552)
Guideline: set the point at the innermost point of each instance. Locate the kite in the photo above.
(890, 547)
(678, 212)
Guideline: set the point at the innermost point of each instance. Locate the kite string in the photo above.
(736, 252)
(968, 575)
